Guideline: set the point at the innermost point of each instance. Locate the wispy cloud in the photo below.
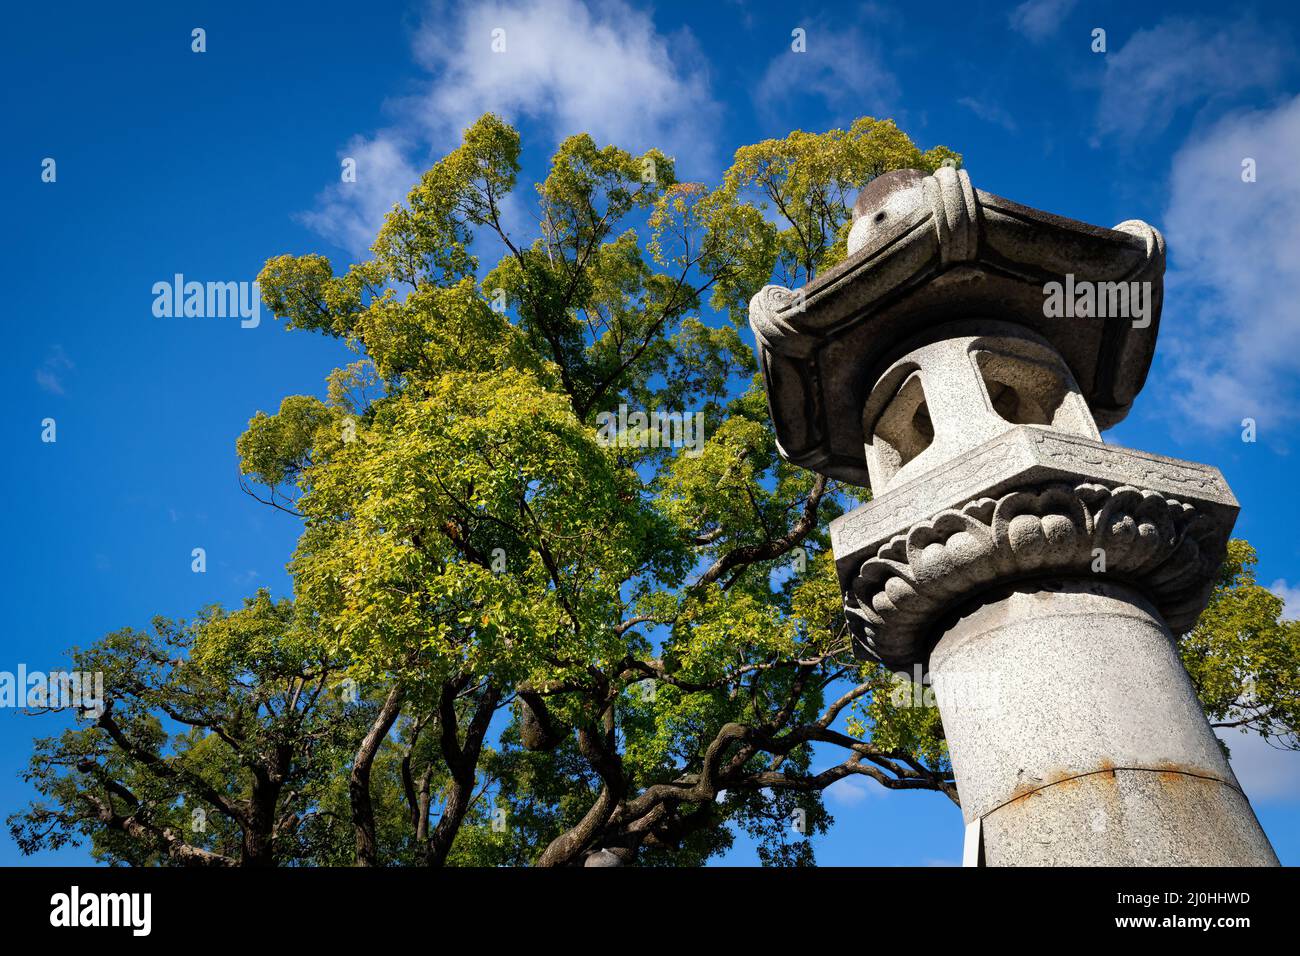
(1231, 332)
(1039, 19)
(349, 213)
(843, 66)
(49, 375)
(559, 65)
(1180, 63)
(989, 112)
(848, 792)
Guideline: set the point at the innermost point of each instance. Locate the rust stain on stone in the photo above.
(1104, 778)
(1177, 774)
(1028, 788)
(1105, 770)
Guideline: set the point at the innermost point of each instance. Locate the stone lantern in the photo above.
(959, 363)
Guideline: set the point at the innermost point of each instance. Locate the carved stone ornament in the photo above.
(1167, 549)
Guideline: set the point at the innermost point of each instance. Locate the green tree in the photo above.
(211, 748)
(1244, 658)
(475, 542)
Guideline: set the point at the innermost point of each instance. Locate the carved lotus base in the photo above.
(1036, 517)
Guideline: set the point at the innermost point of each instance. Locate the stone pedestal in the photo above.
(1037, 573)
(1076, 736)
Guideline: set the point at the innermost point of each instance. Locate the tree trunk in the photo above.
(363, 808)
(462, 762)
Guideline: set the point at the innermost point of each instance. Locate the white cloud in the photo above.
(1039, 19)
(1265, 772)
(842, 66)
(1180, 63)
(49, 375)
(1231, 330)
(606, 71)
(1290, 595)
(566, 68)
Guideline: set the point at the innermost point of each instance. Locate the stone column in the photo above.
(1036, 573)
(1077, 738)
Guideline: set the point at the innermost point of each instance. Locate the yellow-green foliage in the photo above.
(1244, 658)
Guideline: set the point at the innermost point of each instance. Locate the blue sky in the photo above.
(170, 161)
